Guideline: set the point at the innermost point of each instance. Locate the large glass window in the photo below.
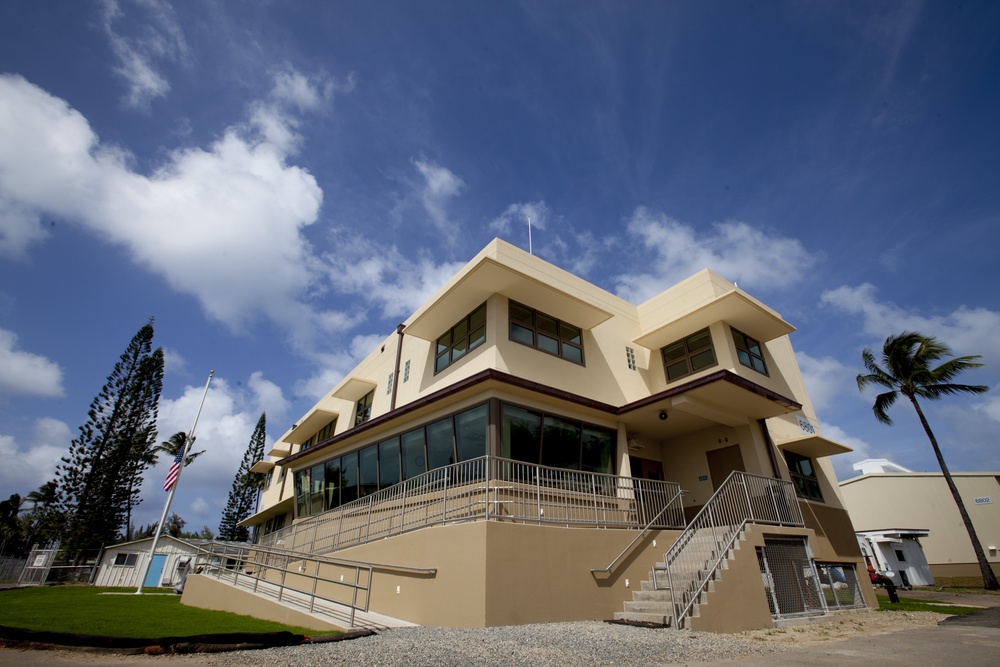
(471, 433)
(317, 489)
(364, 409)
(803, 476)
(553, 441)
(462, 338)
(332, 483)
(414, 456)
(546, 333)
(388, 463)
(349, 478)
(440, 444)
(302, 492)
(368, 470)
(689, 355)
(749, 352)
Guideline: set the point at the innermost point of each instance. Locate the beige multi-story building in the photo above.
(888, 496)
(528, 447)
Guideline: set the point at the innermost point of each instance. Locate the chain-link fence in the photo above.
(10, 569)
(790, 578)
(841, 589)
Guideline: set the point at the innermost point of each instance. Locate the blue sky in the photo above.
(281, 183)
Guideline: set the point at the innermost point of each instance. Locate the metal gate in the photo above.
(841, 589)
(790, 578)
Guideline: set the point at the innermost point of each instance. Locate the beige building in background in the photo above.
(535, 445)
(888, 496)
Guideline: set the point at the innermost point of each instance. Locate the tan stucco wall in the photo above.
(491, 573)
(208, 593)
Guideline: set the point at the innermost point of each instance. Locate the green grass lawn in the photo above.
(87, 610)
(909, 604)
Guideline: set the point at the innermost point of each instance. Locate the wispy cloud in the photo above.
(30, 464)
(440, 185)
(739, 252)
(140, 54)
(966, 330)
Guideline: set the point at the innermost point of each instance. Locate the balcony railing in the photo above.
(492, 489)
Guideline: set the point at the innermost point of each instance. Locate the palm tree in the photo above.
(173, 446)
(907, 361)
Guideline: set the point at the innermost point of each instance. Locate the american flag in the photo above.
(175, 470)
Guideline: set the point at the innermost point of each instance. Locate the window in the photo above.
(364, 411)
(126, 560)
(803, 476)
(899, 555)
(406, 371)
(553, 441)
(323, 434)
(388, 384)
(689, 355)
(542, 332)
(749, 352)
(461, 339)
(630, 358)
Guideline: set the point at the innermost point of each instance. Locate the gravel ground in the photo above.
(582, 644)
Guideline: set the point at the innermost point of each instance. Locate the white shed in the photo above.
(122, 563)
(897, 552)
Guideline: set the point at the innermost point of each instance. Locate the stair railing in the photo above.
(698, 552)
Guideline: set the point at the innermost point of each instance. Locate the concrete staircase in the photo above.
(653, 602)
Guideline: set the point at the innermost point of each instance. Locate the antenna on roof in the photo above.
(529, 236)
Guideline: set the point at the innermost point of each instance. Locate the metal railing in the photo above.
(695, 556)
(312, 582)
(493, 489)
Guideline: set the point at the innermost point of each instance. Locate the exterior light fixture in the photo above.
(663, 415)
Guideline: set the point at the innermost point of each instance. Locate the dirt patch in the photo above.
(845, 625)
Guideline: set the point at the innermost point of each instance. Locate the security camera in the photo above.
(663, 415)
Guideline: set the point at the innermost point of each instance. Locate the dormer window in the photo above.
(749, 352)
(462, 338)
(364, 409)
(546, 333)
(689, 355)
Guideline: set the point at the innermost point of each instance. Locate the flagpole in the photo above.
(170, 496)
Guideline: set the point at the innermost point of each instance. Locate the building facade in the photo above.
(525, 428)
(887, 495)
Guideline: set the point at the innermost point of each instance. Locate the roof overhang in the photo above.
(280, 507)
(262, 466)
(280, 450)
(736, 308)
(312, 423)
(351, 389)
(488, 277)
(814, 446)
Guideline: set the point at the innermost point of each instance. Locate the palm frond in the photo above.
(882, 404)
(951, 368)
(935, 391)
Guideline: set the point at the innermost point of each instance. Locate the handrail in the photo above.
(645, 529)
(256, 562)
(490, 488)
(743, 498)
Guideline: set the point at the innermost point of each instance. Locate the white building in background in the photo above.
(122, 563)
(887, 496)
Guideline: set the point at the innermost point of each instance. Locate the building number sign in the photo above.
(983, 500)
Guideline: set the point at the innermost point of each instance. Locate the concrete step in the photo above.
(651, 596)
(632, 606)
(635, 617)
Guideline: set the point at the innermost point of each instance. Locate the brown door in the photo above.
(646, 468)
(723, 461)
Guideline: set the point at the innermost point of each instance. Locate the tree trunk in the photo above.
(990, 582)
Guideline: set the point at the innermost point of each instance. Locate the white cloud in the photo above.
(989, 406)
(19, 228)
(27, 468)
(439, 187)
(517, 216)
(843, 463)
(735, 250)
(384, 276)
(965, 330)
(159, 40)
(221, 223)
(24, 373)
(826, 379)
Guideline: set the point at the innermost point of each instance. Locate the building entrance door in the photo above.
(646, 468)
(723, 461)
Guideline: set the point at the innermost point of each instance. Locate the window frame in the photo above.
(363, 408)
(688, 356)
(466, 335)
(744, 344)
(563, 337)
(129, 560)
(807, 485)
